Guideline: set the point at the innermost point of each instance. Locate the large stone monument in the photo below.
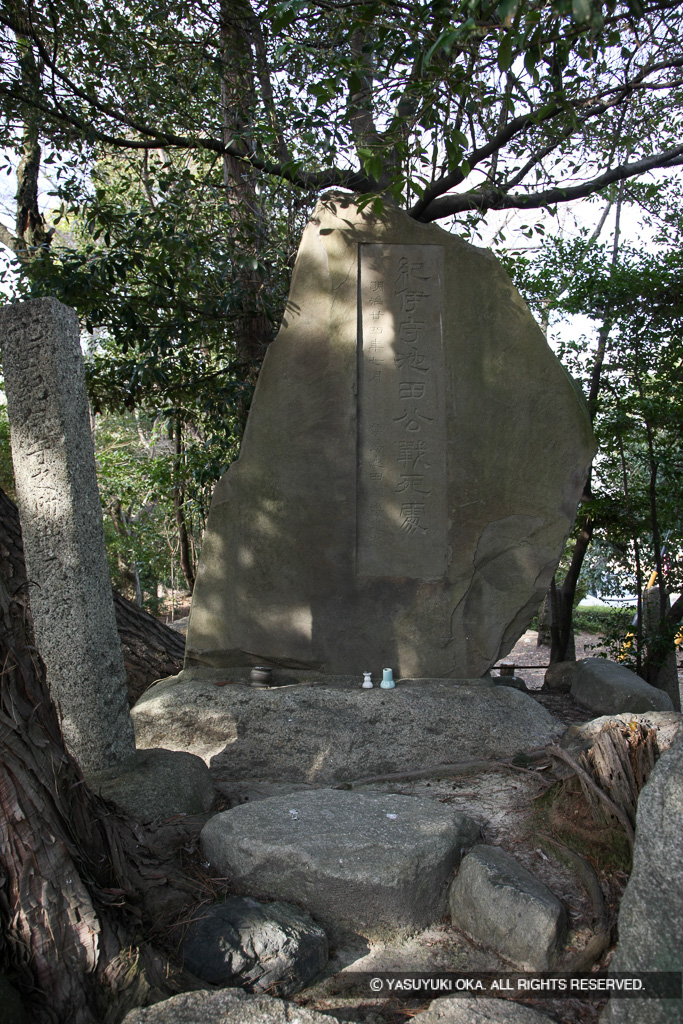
(410, 469)
(61, 521)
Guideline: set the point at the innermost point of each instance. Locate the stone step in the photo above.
(228, 1006)
(370, 862)
(497, 902)
(480, 1010)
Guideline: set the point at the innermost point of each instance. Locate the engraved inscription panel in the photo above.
(402, 514)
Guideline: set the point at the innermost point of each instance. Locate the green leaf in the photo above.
(505, 55)
(507, 10)
(582, 11)
(444, 42)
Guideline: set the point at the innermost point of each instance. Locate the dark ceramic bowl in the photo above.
(261, 676)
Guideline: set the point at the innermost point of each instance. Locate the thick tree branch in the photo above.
(8, 239)
(454, 178)
(495, 199)
(155, 139)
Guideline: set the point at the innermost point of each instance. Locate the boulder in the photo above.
(274, 948)
(559, 677)
(410, 469)
(229, 1006)
(370, 862)
(334, 733)
(499, 903)
(156, 783)
(610, 689)
(651, 912)
(462, 1010)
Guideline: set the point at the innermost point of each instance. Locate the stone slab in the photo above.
(410, 469)
(611, 689)
(61, 523)
(651, 912)
(461, 1010)
(228, 1006)
(370, 862)
(498, 902)
(156, 784)
(338, 733)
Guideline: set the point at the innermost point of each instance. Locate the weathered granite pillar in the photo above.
(61, 520)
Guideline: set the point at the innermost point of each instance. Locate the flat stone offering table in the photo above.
(328, 730)
(371, 862)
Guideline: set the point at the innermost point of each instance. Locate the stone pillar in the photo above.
(61, 520)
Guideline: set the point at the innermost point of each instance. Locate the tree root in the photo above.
(582, 774)
(454, 768)
(600, 942)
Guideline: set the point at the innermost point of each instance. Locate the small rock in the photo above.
(501, 904)
(228, 1006)
(610, 689)
(558, 677)
(274, 948)
(516, 682)
(156, 783)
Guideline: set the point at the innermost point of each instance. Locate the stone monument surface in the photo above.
(410, 469)
(61, 521)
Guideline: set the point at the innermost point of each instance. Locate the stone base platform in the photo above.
(370, 862)
(328, 730)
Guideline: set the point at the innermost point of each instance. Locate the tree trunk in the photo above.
(186, 563)
(238, 29)
(562, 635)
(76, 881)
(620, 761)
(151, 650)
(562, 598)
(660, 667)
(127, 567)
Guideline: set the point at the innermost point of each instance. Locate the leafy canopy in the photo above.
(449, 107)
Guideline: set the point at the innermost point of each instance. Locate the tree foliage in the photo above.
(636, 302)
(511, 104)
